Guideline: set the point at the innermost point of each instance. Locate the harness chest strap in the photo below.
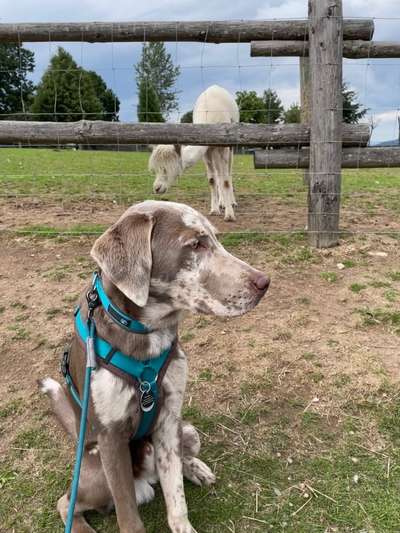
(146, 376)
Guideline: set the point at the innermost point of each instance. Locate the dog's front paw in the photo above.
(181, 525)
(198, 472)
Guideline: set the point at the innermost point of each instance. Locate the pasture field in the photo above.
(297, 403)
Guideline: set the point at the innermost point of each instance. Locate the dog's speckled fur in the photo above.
(158, 260)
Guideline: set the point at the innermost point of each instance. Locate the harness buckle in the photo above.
(64, 363)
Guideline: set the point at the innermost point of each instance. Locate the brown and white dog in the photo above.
(157, 261)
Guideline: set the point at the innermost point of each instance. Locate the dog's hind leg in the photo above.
(193, 468)
(60, 404)
(79, 524)
(93, 494)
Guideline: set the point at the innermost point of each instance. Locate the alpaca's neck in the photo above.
(192, 154)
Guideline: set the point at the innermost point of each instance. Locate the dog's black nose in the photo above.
(261, 282)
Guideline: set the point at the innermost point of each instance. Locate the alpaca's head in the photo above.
(166, 163)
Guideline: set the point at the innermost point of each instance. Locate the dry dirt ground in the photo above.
(323, 337)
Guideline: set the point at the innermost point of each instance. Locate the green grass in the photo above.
(357, 287)
(374, 317)
(124, 177)
(394, 276)
(331, 277)
(349, 263)
(342, 483)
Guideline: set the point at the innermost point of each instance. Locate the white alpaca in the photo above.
(215, 105)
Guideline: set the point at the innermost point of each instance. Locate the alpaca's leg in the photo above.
(234, 202)
(212, 181)
(222, 162)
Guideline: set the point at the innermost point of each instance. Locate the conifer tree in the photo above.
(148, 109)
(157, 69)
(66, 92)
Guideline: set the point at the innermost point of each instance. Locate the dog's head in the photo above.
(169, 252)
(166, 163)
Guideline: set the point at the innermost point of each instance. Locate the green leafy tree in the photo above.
(148, 109)
(353, 110)
(15, 89)
(251, 107)
(66, 92)
(109, 100)
(292, 114)
(187, 117)
(273, 107)
(157, 69)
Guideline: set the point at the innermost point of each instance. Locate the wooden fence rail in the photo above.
(351, 158)
(200, 31)
(101, 132)
(351, 49)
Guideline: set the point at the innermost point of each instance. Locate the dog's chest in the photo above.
(114, 399)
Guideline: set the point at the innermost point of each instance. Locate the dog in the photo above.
(157, 262)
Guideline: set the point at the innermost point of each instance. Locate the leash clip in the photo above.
(93, 301)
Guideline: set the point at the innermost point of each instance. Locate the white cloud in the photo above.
(282, 10)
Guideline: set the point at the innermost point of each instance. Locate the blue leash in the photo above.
(145, 372)
(90, 365)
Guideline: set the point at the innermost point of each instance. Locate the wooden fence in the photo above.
(320, 42)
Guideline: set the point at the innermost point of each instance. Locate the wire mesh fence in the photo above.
(57, 174)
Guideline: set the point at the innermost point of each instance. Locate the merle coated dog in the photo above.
(157, 261)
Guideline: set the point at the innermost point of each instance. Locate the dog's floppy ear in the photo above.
(178, 149)
(123, 253)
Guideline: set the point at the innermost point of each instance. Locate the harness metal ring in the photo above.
(144, 386)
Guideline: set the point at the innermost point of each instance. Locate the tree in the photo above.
(15, 89)
(273, 107)
(148, 109)
(187, 117)
(109, 100)
(353, 111)
(292, 114)
(157, 69)
(251, 107)
(66, 92)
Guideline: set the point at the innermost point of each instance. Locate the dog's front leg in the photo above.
(117, 464)
(167, 440)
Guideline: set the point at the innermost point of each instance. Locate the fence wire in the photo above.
(258, 194)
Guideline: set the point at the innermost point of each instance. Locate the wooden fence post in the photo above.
(305, 91)
(326, 48)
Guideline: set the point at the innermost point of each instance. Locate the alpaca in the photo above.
(215, 105)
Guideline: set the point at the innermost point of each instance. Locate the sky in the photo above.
(376, 81)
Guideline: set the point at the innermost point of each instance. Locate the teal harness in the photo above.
(145, 374)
